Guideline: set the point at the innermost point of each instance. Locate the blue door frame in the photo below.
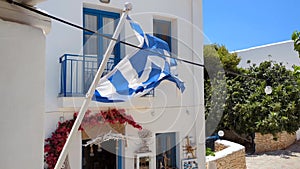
(100, 51)
(89, 70)
(100, 15)
(120, 155)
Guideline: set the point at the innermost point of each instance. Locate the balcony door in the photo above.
(103, 22)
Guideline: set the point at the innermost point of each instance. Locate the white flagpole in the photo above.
(92, 88)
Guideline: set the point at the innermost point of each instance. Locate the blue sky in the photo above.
(240, 24)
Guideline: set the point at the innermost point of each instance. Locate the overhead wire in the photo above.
(30, 8)
(243, 75)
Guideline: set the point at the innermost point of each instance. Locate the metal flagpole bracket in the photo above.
(92, 88)
(88, 95)
(128, 6)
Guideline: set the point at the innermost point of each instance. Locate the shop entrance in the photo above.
(100, 157)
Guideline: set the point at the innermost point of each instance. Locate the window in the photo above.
(95, 46)
(162, 30)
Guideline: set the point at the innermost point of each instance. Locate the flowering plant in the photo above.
(54, 144)
(111, 116)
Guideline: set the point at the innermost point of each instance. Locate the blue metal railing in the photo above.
(77, 73)
(210, 141)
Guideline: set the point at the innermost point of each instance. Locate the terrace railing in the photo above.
(77, 73)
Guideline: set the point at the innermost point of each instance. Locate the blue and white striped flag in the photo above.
(138, 73)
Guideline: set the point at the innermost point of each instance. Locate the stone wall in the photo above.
(219, 147)
(228, 155)
(266, 142)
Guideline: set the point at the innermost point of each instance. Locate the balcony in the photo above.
(77, 73)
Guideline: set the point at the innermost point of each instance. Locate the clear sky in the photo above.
(240, 24)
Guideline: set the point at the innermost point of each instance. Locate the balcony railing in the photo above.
(77, 73)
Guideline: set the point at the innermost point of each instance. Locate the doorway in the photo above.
(100, 157)
(166, 150)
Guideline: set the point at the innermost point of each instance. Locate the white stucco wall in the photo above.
(65, 39)
(169, 110)
(22, 102)
(280, 52)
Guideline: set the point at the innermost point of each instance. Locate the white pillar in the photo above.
(22, 88)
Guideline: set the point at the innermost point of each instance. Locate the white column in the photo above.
(22, 88)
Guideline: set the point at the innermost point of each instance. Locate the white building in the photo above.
(22, 86)
(280, 52)
(168, 114)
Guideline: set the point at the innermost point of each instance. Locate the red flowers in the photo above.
(111, 116)
(54, 144)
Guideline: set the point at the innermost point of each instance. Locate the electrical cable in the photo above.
(242, 75)
(30, 8)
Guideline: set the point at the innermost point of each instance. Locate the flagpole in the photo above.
(92, 88)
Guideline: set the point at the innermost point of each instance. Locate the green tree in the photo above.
(296, 39)
(229, 60)
(212, 61)
(237, 96)
(248, 109)
(217, 60)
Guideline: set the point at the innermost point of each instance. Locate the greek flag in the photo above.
(138, 73)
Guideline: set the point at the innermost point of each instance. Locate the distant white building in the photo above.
(280, 52)
(72, 57)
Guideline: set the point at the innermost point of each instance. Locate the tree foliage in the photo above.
(296, 39)
(211, 60)
(247, 109)
(218, 58)
(229, 60)
(214, 60)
